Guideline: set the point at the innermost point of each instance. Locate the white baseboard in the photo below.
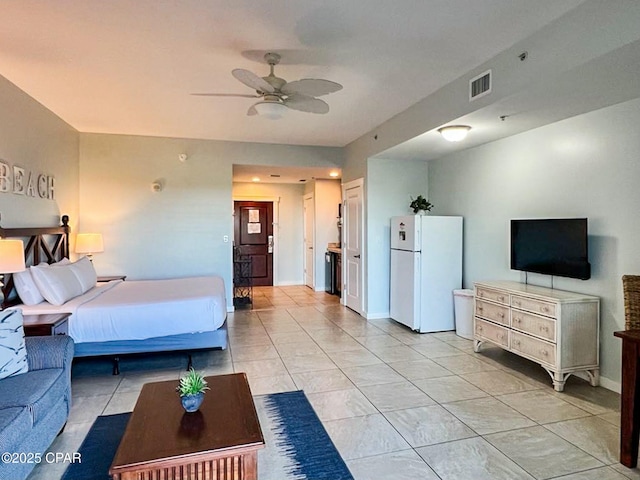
(230, 309)
(289, 284)
(376, 316)
(610, 385)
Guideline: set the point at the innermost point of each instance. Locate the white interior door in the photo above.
(308, 240)
(352, 257)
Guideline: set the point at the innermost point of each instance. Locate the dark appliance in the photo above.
(329, 275)
(555, 246)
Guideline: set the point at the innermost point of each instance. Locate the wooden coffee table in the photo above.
(219, 441)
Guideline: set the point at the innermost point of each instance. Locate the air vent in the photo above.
(480, 86)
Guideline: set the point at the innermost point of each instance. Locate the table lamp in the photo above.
(89, 243)
(11, 257)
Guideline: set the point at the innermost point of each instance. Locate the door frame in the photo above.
(359, 182)
(276, 228)
(312, 197)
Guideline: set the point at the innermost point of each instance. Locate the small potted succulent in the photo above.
(420, 204)
(191, 389)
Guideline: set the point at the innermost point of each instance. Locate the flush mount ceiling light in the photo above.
(333, 174)
(454, 133)
(255, 179)
(270, 109)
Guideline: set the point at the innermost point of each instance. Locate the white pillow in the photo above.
(56, 284)
(85, 273)
(13, 353)
(27, 288)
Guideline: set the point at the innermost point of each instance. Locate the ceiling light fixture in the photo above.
(333, 174)
(270, 109)
(454, 133)
(255, 179)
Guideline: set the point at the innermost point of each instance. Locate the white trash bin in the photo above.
(463, 309)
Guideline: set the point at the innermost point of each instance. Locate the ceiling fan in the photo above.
(277, 94)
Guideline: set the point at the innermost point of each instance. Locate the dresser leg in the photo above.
(559, 379)
(594, 377)
(476, 345)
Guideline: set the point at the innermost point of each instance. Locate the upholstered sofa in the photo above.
(34, 406)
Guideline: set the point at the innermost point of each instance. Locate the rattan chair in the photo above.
(631, 290)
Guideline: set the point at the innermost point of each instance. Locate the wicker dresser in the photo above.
(557, 329)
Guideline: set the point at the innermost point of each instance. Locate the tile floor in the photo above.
(398, 405)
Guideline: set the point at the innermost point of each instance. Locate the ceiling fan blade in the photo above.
(252, 110)
(313, 87)
(252, 80)
(305, 103)
(225, 95)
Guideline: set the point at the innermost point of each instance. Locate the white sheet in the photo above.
(136, 310)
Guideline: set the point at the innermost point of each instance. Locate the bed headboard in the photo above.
(42, 244)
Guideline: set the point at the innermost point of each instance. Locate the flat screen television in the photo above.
(556, 246)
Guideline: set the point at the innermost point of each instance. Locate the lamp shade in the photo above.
(89, 243)
(271, 110)
(11, 256)
(454, 133)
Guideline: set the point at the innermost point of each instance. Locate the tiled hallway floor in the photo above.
(398, 405)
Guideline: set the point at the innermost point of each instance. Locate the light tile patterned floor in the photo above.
(398, 405)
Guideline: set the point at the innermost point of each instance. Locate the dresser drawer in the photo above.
(492, 332)
(535, 306)
(540, 350)
(493, 312)
(534, 324)
(493, 295)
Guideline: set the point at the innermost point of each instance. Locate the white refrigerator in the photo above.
(426, 266)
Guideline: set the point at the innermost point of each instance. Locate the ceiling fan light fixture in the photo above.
(270, 110)
(454, 133)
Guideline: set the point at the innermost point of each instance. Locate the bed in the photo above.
(126, 317)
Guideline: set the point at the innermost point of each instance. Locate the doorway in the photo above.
(253, 237)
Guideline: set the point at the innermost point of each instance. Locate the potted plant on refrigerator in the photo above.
(420, 205)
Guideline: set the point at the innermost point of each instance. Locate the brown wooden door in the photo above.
(253, 235)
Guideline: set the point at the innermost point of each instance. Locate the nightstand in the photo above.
(111, 278)
(46, 324)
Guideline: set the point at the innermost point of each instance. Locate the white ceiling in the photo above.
(129, 67)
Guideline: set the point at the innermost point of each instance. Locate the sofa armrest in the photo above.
(55, 351)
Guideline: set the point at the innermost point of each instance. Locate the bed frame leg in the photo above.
(189, 363)
(116, 365)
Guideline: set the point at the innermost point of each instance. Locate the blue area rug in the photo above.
(297, 445)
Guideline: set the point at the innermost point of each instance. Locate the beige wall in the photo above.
(35, 139)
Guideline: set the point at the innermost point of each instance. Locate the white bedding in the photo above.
(137, 310)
